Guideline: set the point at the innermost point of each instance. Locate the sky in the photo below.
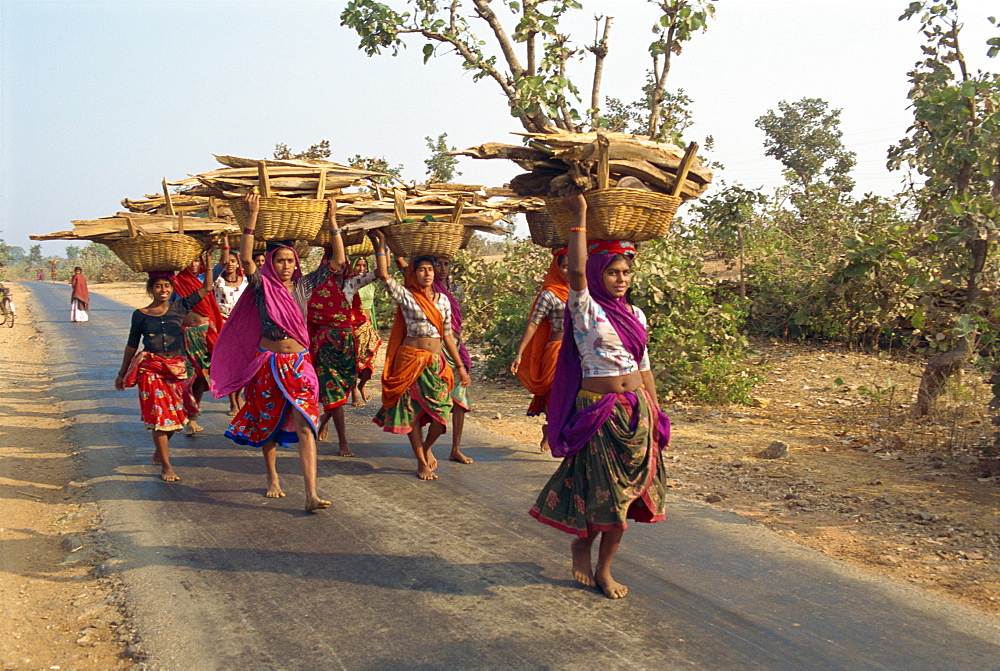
(101, 100)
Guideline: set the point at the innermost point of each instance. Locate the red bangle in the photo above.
(249, 231)
(578, 229)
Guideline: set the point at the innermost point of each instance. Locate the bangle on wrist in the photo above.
(517, 356)
(251, 231)
(578, 229)
(335, 231)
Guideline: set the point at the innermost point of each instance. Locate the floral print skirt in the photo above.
(161, 385)
(618, 475)
(368, 343)
(277, 391)
(333, 352)
(194, 349)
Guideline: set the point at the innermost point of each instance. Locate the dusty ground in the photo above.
(54, 612)
(860, 483)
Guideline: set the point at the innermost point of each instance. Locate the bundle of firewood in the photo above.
(557, 160)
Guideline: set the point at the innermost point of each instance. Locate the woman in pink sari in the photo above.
(264, 350)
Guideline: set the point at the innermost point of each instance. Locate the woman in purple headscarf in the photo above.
(604, 419)
(264, 349)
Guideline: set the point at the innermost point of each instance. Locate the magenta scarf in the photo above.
(456, 323)
(569, 430)
(235, 355)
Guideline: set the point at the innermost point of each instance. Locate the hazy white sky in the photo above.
(101, 100)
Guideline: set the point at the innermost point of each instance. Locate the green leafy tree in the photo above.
(954, 143)
(72, 253)
(378, 164)
(319, 150)
(34, 257)
(805, 137)
(675, 114)
(533, 68)
(441, 166)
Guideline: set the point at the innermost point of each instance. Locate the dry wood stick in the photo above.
(682, 171)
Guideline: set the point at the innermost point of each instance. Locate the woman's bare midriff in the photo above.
(555, 335)
(614, 384)
(286, 346)
(428, 344)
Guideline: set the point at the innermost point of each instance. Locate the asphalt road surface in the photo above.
(404, 574)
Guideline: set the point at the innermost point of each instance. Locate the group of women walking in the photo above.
(296, 345)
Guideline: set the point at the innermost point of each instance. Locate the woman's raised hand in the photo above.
(574, 201)
(252, 201)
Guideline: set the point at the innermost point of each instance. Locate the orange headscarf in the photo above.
(538, 364)
(403, 365)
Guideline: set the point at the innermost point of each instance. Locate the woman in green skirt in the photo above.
(604, 419)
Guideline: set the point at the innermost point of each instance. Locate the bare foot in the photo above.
(426, 473)
(358, 403)
(460, 458)
(324, 432)
(611, 588)
(312, 505)
(274, 491)
(345, 451)
(432, 462)
(582, 572)
(366, 395)
(189, 429)
(168, 475)
(195, 426)
(543, 444)
(232, 412)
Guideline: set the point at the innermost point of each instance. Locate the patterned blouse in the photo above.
(602, 353)
(226, 296)
(549, 306)
(417, 323)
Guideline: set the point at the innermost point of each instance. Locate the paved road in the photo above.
(449, 574)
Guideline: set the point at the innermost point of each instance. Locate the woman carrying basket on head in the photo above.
(604, 419)
(264, 350)
(331, 317)
(201, 328)
(159, 369)
(416, 381)
(537, 352)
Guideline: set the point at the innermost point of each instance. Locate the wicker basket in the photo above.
(424, 238)
(619, 214)
(157, 251)
(543, 229)
(302, 248)
(284, 218)
(363, 248)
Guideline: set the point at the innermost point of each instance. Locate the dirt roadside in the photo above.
(901, 500)
(56, 614)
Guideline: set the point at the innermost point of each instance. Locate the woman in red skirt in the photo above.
(159, 369)
(264, 350)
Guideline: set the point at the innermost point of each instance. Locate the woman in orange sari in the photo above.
(417, 382)
(537, 353)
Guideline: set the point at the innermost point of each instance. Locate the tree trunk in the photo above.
(942, 366)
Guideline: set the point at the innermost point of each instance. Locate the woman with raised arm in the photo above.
(535, 361)
(159, 369)
(201, 327)
(264, 350)
(331, 317)
(417, 382)
(604, 419)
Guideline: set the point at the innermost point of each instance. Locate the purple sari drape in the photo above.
(456, 323)
(569, 429)
(235, 359)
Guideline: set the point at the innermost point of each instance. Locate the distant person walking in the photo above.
(79, 302)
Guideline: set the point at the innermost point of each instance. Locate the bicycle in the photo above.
(6, 308)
